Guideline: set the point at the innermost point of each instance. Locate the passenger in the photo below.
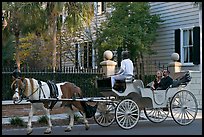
(166, 81)
(126, 69)
(155, 83)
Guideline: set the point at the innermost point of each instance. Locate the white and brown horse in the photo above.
(32, 90)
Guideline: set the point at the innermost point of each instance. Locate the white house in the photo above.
(181, 32)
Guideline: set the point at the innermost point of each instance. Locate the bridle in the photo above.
(22, 90)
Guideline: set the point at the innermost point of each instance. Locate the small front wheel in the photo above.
(156, 115)
(184, 107)
(127, 114)
(105, 114)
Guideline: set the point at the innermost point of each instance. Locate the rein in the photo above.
(40, 87)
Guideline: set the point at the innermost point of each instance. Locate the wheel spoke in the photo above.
(127, 114)
(184, 109)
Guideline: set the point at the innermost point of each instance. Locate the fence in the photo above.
(83, 78)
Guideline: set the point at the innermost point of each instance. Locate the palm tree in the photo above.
(21, 20)
(73, 14)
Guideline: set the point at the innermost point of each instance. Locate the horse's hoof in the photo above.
(29, 131)
(47, 132)
(87, 127)
(67, 129)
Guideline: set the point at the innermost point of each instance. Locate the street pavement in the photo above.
(65, 116)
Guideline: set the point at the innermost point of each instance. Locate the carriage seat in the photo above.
(120, 85)
(129, 79)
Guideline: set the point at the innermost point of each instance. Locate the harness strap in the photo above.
(40, 85)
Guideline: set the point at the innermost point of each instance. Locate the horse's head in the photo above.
(18, 86)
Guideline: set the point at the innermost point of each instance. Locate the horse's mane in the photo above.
(26, 87)
(31, 83)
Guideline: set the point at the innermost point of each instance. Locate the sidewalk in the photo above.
(65, 116)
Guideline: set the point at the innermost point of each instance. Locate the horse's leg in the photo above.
(47, 113)
(29, 125)
(85, 121)
(71, 120)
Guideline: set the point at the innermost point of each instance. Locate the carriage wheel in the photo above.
(156, 115)
(105, 114)
(127, 114)
(184, 107)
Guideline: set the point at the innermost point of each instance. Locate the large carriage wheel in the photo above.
(105, 114)
(127, 114)
(156, 115)
(183, 107)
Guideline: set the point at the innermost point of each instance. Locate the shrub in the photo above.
(17, 121)
(42, 119)
(76, 117)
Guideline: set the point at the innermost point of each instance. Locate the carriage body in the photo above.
(156, 104)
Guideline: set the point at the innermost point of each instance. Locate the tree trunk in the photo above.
(54, 41)
(17, 50)
(142, 66)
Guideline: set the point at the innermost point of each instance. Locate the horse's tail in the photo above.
(12, 84)
(88, 109)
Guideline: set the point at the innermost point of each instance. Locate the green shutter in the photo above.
(177, 42)
(76, 55)
(196, 45)
(119, 56)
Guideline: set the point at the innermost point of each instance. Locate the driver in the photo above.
(126, 69)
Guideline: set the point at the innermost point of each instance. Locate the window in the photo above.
(101, 8)
(187, 45)
(83, 55)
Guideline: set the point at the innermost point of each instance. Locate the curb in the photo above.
(65, 116)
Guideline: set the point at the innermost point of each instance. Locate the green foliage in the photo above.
(76, 117)
(8, 49)
(33, 52)
(25, 18)
(17, 121)
(130, 26)
(42, 119)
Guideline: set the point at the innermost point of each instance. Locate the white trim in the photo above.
(187, 64)
(185, 28)
(181, 45)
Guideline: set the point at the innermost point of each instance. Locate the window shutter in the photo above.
(76, 55)
(103, 7)
(119, 52)
(177, 42)
(99, 8)
(196, 45)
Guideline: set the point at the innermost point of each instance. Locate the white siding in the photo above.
(175, 15)
(195, 87)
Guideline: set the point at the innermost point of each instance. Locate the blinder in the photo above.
(20, 88)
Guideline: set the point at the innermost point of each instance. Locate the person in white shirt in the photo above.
(126, 69)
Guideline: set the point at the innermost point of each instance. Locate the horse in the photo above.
(34, 90)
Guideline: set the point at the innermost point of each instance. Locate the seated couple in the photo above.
(162, 80)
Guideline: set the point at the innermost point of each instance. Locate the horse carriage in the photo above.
(156, 104)
(122, 103)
